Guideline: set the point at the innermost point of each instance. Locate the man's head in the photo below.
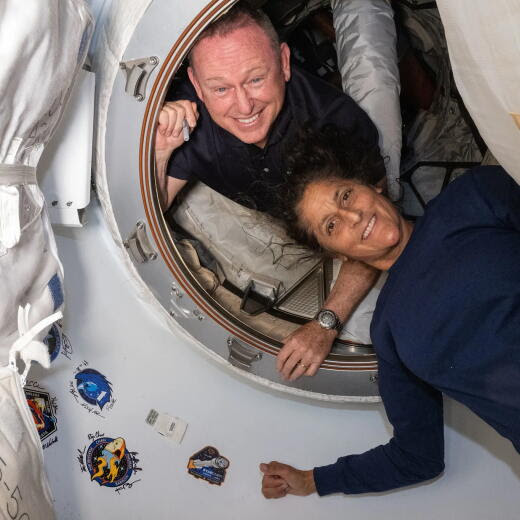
(239, 70)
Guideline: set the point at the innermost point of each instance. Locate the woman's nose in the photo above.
(352, 216)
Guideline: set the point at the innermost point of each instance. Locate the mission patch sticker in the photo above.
(43, 408)
(109, 462)
(92, 390)
(207, 464)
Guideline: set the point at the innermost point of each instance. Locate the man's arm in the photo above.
(168, 137)
(306, 348)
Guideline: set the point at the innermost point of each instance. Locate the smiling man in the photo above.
(243, 105)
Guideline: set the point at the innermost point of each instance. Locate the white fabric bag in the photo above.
(42, 47)
(24, 490)
(367, 58)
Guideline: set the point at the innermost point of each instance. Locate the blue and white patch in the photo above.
(54, 341)
(56, 290)
(57, 342)
(92, 390)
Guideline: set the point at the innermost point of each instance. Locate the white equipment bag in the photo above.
(42, 48)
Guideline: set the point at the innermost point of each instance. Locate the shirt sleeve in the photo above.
(178, 165)
(414, 454)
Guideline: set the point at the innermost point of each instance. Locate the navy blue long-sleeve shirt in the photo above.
(447, 321)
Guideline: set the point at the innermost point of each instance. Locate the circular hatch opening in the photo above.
(255, 283)
(268, 286)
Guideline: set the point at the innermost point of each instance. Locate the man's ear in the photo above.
(195, 83)
(285, 61)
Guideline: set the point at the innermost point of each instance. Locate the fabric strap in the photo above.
(11, 174)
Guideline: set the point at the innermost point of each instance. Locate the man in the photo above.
(242, 108)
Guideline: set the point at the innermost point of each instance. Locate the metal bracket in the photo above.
(260, 294)
(139, 246)
(137, 73)
(242, 355)
(176, 307)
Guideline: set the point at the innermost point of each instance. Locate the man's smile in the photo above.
(249, 120)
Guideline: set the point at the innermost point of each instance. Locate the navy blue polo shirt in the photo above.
(246, 173)
(447, 321)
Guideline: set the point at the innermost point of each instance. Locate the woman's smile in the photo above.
(355, 221)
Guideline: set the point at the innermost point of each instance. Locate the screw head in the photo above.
(139, 97)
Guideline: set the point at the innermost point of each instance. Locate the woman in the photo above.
(446, 321)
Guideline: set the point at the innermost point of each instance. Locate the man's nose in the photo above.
(244, 102)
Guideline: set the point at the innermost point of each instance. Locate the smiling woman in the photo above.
(333, 199)
(446, 320)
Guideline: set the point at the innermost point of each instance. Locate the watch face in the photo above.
(327, 319)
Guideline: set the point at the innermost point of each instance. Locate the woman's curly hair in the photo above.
(320, 155)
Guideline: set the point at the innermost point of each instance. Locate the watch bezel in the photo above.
(323, 317)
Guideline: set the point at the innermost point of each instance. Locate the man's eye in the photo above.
(220, 90)
(257, 80)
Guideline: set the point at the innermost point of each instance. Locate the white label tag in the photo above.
(171, 427)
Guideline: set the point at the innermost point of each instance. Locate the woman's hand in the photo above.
(280, 480)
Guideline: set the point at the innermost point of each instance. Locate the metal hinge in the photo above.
(138, 244)
(137, 73)
(260, 294)
(242, 355)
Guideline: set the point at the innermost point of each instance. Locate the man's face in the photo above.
(241, 80)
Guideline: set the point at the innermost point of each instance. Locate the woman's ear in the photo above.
(380, 187)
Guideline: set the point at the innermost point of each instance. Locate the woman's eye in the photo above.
(346, 195)
(330, 227)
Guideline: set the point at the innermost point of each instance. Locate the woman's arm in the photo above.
(414, 454)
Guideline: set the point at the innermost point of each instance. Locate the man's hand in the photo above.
(169, 135)
(280, 480)
(304, 351)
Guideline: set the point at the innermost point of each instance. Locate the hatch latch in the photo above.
(139, 246)
(137, 73)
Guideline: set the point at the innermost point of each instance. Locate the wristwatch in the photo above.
(328, 320)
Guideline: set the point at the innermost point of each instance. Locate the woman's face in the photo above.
(354, 221)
